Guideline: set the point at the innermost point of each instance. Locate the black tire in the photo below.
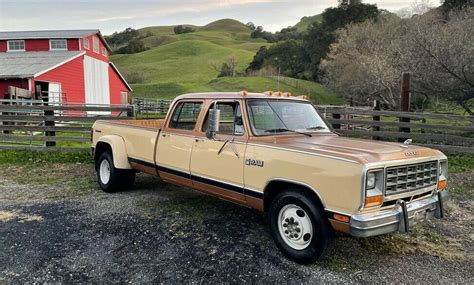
(321, 237)
(119, 179)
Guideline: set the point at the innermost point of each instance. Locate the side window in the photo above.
(95, 44)
(185, 115)
(231, 122)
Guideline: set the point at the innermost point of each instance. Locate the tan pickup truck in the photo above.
(274, 153)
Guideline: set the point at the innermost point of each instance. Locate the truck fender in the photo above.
(119, 152)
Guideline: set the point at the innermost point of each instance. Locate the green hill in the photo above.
(305, 22)
(176, 64)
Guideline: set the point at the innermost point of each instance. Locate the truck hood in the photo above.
(359, 150)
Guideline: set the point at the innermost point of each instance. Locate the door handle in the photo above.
(164, 135)
(198, 140)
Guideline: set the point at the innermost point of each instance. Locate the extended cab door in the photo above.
(217, 166)
(175, 142)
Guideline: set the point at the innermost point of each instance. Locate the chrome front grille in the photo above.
(411, 177)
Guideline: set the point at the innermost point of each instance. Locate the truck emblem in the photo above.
(254, 162)
(411, 153)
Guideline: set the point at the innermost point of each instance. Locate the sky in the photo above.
(116, 15)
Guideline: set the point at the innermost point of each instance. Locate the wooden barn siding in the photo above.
(90, 52)
(116, 86)
(41, 45)
(71, 77)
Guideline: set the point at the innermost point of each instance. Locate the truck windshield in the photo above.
(269, 117)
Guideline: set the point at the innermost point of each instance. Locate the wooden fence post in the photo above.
(336, 116)
(49, 133)
(405, 103)
(377, 119)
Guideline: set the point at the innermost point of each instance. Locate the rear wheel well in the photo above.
(100, 148)
(275, 187)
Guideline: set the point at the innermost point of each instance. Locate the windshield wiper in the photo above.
(287, 130)
(317, 128)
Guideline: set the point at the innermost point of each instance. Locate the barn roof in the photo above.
(51, 34)
(31, 64)
(47, 34)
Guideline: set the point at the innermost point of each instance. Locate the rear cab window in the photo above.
(185, 116)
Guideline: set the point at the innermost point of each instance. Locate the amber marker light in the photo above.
(245, 93)
(341, 218)
(280, 94)
(270, 93)
(442, 184)
(288, 94)
(373, 201)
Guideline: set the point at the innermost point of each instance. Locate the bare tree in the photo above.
(368, 59)
(418, 7)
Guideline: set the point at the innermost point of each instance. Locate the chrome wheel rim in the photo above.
(104, 171)
(295, 227)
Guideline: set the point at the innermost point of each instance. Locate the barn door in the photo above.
(54, 93)
(96, 75)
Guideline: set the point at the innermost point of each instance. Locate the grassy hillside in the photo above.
(177, 64)
(304, 23)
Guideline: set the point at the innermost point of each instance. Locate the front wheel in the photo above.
(298, 227)
(110, 178)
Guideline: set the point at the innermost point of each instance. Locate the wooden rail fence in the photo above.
(35, 125)
(68, 126)
(452, 133)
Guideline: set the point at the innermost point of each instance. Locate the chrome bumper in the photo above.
(400, 219)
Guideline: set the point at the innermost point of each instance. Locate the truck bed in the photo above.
(149, 124)
(139, 136)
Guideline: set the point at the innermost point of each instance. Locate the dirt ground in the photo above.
(61, 227)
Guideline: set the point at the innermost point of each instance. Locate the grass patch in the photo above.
(461, 163)
(39, 157)
(48, 180)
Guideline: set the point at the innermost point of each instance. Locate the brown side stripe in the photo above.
(204, 180)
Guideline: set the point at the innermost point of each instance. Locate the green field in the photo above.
(305, 22)
(177, 64)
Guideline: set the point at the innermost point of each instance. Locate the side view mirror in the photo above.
(213, 125)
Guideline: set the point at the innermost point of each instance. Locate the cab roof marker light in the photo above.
(288, 94)
(280, 93)
(245, 93)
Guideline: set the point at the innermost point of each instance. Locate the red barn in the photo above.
(70, 66)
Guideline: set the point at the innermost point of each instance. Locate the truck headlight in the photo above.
(370, 181)
(374, 188)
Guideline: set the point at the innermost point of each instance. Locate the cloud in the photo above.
(107, 19)
(168, 9)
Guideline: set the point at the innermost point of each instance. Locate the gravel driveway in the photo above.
(60, 227)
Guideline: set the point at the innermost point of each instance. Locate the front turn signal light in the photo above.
(442, 184)
(373, 201)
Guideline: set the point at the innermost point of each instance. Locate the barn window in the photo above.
(95, 44)
(16, 45)
(86, 43)
(104, 51)
(57, 44)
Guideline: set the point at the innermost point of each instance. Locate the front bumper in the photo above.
(400, 219)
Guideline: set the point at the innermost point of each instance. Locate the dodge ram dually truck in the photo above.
(275, 153)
